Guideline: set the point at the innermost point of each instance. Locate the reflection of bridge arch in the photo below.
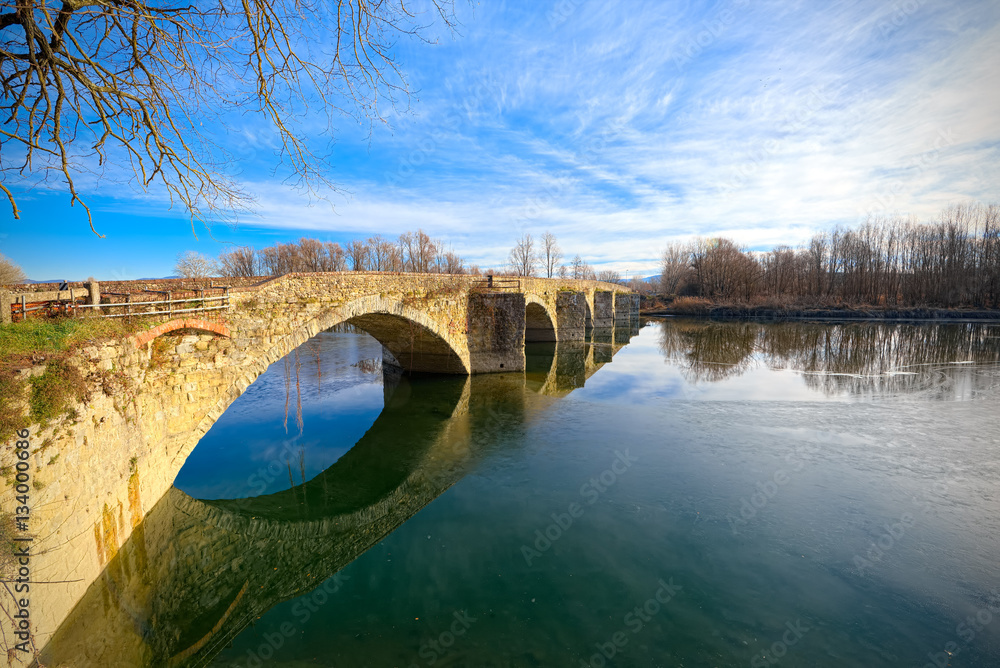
(556, 370)
(235, 559)
(412, 337)
(232, 560)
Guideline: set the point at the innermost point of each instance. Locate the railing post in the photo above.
(95, 291)
(6, 304)
(170, 304)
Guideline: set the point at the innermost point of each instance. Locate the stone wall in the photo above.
(604, 309)
(571, 314)
(496, 331)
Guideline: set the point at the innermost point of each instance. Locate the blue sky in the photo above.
(617, 126)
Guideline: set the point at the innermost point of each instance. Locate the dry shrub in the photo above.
(691, 305)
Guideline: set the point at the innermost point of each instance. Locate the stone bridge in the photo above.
(194, 574)
(428, 323)
(101, 469)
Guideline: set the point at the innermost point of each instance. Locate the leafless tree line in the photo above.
(411, 252)
(951, 262)
(526, 258)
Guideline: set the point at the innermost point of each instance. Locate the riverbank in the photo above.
(705, 309)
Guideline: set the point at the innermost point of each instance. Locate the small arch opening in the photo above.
(410, 345)
(538, 326)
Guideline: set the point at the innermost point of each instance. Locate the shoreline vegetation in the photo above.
(695, 307)
(888, 268)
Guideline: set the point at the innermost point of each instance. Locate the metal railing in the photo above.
(491, 284)
(134, 308)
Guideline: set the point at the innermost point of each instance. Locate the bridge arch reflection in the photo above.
(195, 573)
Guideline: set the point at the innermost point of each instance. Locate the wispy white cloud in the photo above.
(620, 127)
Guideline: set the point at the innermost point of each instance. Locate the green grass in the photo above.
(51, 394)
(58, 335)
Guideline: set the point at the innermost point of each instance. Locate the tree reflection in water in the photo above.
(862, 359)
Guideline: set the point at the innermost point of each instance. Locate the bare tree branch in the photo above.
(149, 88)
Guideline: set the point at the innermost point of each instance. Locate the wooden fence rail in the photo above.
(20, 305)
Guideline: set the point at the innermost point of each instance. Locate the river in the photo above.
(675, 493)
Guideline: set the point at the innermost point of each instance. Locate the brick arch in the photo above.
(143, 338)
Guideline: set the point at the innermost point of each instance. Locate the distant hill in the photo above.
(60, 280)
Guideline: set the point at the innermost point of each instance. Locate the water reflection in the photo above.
(196, 573)
(858, 359)
(758, 505)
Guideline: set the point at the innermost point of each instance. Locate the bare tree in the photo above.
(357, 254)
(280, 259)
(10, 273)
(419, 251)
(579, 269)
(311, 255)
(239, 262)
(675, 267)
(381, 254)
(192, 264)
(551, 254)
(149, 87)
(609, 276)
(451, 263)
(307, 255)
(377, 254)
(336, 257)
(523, 259)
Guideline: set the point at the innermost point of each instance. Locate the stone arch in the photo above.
(539, 320)
(390, 317)
(413, 337)
(190, 546)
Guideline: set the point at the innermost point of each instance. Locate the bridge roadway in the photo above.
(194, 574)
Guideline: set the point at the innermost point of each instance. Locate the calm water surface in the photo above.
(686, 493)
